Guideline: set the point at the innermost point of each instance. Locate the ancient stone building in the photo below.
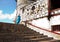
(41, 13)
(31, 9)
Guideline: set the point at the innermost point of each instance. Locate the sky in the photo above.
(7, 10)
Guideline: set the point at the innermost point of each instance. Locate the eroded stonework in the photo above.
(32, 9)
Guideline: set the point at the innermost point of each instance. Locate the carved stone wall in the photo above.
(32, 10)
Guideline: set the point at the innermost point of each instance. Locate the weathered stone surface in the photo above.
(20, 33)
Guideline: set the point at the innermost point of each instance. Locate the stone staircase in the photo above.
(22, 34)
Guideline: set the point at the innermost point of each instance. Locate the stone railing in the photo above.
(44, 31)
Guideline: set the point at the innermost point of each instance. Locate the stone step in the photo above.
(15, 30)
(21, 36)
(21, 33)
(47, 40)
(17, 40)
(55, 41)
(18, 34)
(38, 36)
(32, 34)
(42, 39)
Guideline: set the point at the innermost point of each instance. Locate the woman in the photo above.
(18, 19)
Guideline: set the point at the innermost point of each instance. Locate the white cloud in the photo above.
(7, 16)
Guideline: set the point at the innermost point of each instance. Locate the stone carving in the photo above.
(32, 8)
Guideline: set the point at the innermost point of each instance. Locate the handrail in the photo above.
(43, 29)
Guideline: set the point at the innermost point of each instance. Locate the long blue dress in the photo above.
(18, 19)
